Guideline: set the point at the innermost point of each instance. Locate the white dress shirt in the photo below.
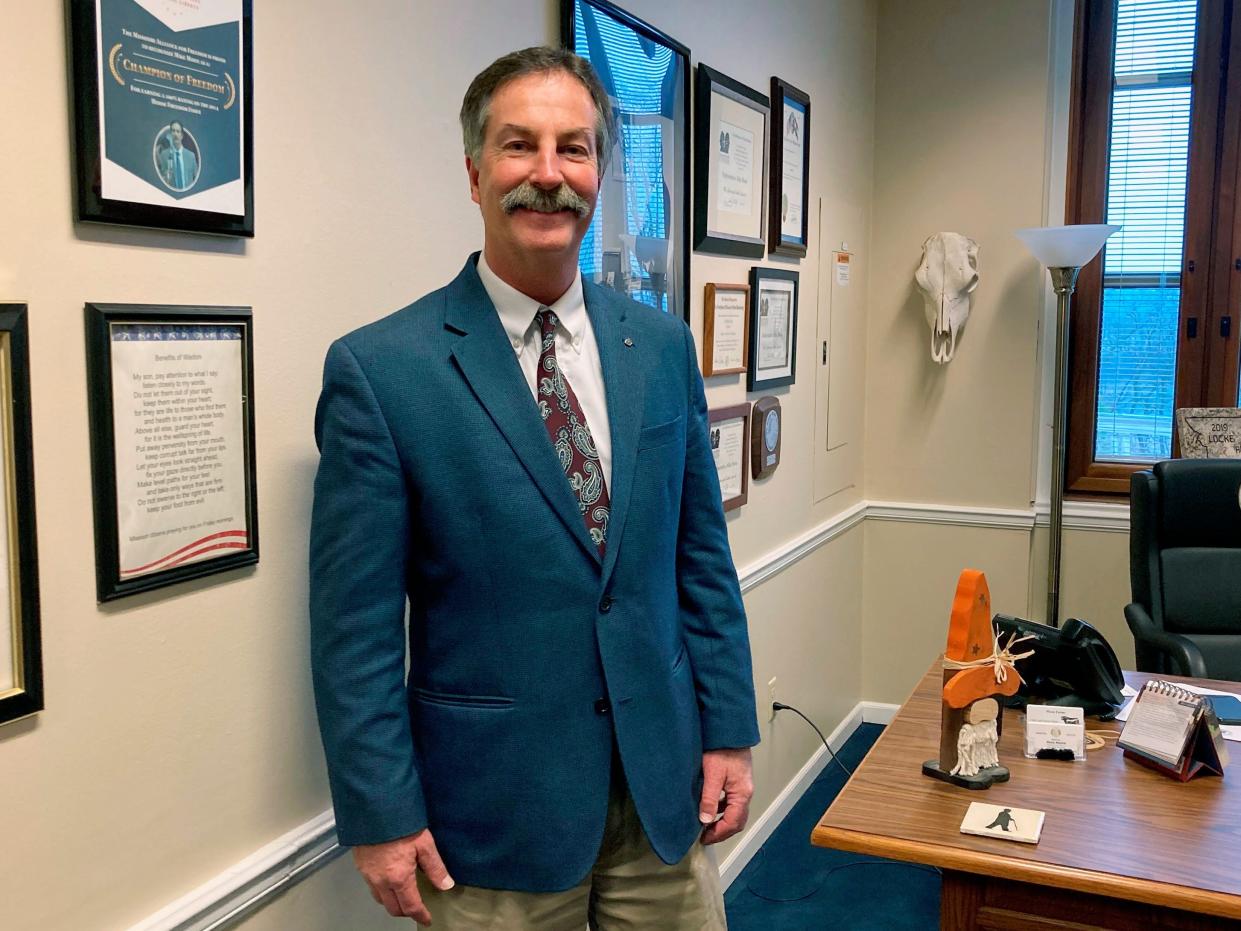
(576, 351)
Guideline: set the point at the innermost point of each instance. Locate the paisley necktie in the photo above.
(566, 424)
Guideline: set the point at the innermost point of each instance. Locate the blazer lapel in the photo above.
(624, 385)
(487, 362)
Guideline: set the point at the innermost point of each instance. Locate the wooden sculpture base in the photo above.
(983, 780)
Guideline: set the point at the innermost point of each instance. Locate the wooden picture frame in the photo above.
(773, 328)
(729, 429)
(788, 223)
(172, 443)
(725, 329)
(652, 264)
(21, 653)
(163, 115)
(730, 165)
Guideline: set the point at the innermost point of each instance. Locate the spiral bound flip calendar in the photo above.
(1174, 731)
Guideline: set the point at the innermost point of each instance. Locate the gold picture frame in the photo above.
(21, 666)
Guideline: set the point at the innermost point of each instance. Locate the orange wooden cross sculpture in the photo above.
(976, 673)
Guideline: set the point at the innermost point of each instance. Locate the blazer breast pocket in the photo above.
(662, 433)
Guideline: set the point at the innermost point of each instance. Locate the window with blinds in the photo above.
(1156, 149)
(1147, 171)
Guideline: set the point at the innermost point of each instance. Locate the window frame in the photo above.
(1208, 271)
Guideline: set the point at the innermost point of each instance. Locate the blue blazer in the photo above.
(438, 485)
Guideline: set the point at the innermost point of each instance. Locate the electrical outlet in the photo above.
(771, 696)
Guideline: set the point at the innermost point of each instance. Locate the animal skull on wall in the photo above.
(947, 276)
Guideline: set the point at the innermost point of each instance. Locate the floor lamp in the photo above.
(1063, 250)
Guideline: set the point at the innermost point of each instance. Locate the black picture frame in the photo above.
(751, 243)
(193, 328)
(761, 375)
(778, 240)
(92, 206)
(21, 686)
(631, 263)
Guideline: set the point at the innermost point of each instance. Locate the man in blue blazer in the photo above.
(178, 165)
(523, 458)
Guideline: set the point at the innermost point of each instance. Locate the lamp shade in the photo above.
(1066, 246)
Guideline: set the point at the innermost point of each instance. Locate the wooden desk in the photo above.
(1123, 846)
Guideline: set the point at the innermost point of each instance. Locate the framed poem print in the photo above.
(726, 328)
(172, 444)
(729, 429)
(773, 329)
(21, 661)
(163, 114)
(638, 241)
(766, 427)
(730, 165)
(788, 226)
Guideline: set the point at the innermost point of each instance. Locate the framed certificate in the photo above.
(773, 329)
(638, 242)
(163, 119)
(21, 664)
(729, 429)
(730, 165)
(172, 444)
(790, 170)
(726, 328)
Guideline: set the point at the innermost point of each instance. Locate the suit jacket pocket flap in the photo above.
(661, 433)
(498, 702)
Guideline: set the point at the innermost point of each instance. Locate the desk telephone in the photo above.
(1071, 665)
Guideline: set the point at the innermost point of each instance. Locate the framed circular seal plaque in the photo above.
(765, 429)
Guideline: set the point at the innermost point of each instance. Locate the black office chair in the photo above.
(1185, 568)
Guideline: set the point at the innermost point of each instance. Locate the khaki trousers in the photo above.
(628, 889)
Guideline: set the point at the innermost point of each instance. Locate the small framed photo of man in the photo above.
(177, 157)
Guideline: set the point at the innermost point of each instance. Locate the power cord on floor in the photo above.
(780, 706)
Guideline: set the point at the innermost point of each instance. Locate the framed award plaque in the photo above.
(765, 429)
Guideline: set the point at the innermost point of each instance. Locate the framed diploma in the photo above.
(163, 118)
(638, 242)
(726, 329)
(730, 165)
(172, 444)
(773, 329)
(21, 664)
(766, 426)
(729, 428)
(790, 170)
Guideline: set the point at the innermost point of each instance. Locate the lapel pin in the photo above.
(628, 342)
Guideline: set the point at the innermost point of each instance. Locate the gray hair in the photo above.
(539, 59)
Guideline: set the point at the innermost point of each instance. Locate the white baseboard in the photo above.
(878, 712)
(758, 832)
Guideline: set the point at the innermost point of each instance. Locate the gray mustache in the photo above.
(532, 198)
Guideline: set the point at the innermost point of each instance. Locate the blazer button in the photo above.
(602, 706)
(605, 605)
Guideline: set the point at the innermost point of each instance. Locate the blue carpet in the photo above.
(791, 885)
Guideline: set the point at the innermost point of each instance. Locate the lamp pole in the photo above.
(1063, 282)
(1063, 251)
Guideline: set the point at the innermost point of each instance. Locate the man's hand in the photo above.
(390, 869)
(726, 771)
